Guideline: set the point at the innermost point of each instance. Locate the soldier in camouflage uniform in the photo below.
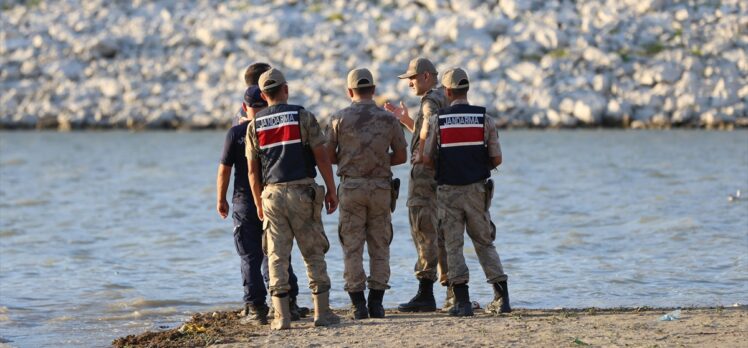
(361, 137)
(284, 144)
(422, 76)
(463, 146)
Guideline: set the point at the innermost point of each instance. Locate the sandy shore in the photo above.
(637, 327)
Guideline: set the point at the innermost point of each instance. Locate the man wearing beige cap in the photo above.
(463, 146)
(361, 137)
(422, 79)
(283, 145)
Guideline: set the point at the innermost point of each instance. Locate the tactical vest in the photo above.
(463, 155)
(283, 153)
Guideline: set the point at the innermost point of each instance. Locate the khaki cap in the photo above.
(417, 66)
(455, 78)
(360, 78)
(271, 78)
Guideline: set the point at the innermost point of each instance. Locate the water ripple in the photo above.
(98, 248)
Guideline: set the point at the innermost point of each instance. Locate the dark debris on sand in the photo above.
(201, 330)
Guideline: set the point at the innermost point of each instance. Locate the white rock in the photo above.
(743, 92)
(513, 8)
(554, 117)
(660, 72)
(644, 6)
(38, 41)
(491, 64)
(601, 83)
(524, 71)
(711, 118)
(617, 110)
(685, 100)
(660, 120)
(589, 108)
(29, 69)
(539, 119)
(638, 124)
(110, 87)
(723, 92)
(596, 56)
(567, 106)
(681, 15)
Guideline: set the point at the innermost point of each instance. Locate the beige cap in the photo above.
(271, 78)
(417, 66)
(455, 78)
(360, 78)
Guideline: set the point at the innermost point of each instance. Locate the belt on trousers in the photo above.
(345, 178)
(305, 181)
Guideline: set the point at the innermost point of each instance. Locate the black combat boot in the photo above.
(255, 314)
(303, 311)
(358, 308)
(463, 307)
(500, 303)
(376, 310)
(423, 301)
(293, 309)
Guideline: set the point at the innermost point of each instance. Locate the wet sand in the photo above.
(636, 327)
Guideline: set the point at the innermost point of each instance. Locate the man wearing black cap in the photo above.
(422, 80)
(247, 227)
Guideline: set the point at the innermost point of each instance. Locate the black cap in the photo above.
(253, 99)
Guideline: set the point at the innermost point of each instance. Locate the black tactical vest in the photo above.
(283, 154)
(463, 155)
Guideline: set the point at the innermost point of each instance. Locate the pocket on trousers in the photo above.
(340, 236)
(493, 230)
(441, 213)
(265, 225)
(327, 241)
(237, 240)
(392, 235)
(319, 202)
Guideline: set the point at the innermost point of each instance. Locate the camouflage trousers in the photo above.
(365, 218)
(429, 242)
(465, 206)
(293, 211)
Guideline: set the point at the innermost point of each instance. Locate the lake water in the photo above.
(104, 234)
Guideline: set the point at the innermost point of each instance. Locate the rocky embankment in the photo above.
(170, 64)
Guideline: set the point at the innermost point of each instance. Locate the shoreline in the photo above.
(641, 326)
